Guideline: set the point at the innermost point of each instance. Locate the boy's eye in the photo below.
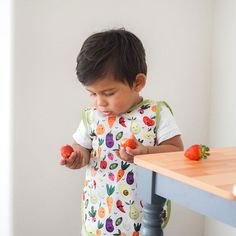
(109, 94)
(92, 94)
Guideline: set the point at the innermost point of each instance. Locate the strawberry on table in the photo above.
(197, 152)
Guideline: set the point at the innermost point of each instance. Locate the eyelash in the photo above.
(107, 95)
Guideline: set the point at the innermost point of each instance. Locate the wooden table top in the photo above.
(216, 175)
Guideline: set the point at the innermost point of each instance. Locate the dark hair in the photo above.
(117, 52)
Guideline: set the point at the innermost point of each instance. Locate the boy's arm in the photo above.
(173, 144)
(170, 145)
(78, 159)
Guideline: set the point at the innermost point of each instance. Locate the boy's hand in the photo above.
(127, 153)
(74, 161)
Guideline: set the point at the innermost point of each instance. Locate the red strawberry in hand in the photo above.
(197, 152)
(128, 142)
(66, 151)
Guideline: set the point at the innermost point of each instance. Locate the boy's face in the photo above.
(113, 97)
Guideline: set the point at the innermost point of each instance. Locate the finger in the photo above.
(131, 151)
(125, 156)
(122, 152)
(62, 162)
(133, 136)
(118, 153)
(71, 160)
(75, 164)
(77, 161)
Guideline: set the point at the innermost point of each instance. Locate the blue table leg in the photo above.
(153, 204)
(152, 220)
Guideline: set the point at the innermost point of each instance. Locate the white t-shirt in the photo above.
(167, 129)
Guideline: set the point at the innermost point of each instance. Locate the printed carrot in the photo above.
(111, 120)
(121, 172)
(136, 229)
(100, 142)
(110, 191)
(100, 225)
(98, 232)
(99, 151)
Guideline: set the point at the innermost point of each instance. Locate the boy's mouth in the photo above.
(106, 113)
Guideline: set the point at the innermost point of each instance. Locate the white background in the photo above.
(191, 56)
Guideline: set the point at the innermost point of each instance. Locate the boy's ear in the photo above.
(140, 82)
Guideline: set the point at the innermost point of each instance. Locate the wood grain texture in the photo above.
(216, 175)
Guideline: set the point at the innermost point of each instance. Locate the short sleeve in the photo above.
(167, 127)
(81, 136)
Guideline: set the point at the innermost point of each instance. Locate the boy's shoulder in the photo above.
(161, 104)
(156, 105)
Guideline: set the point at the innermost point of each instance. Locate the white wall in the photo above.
(223, 100)
(48, 98)
(5, 114)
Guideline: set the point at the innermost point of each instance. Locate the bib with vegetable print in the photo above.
(110, 205)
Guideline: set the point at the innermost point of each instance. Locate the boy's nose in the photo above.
(101, 102)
